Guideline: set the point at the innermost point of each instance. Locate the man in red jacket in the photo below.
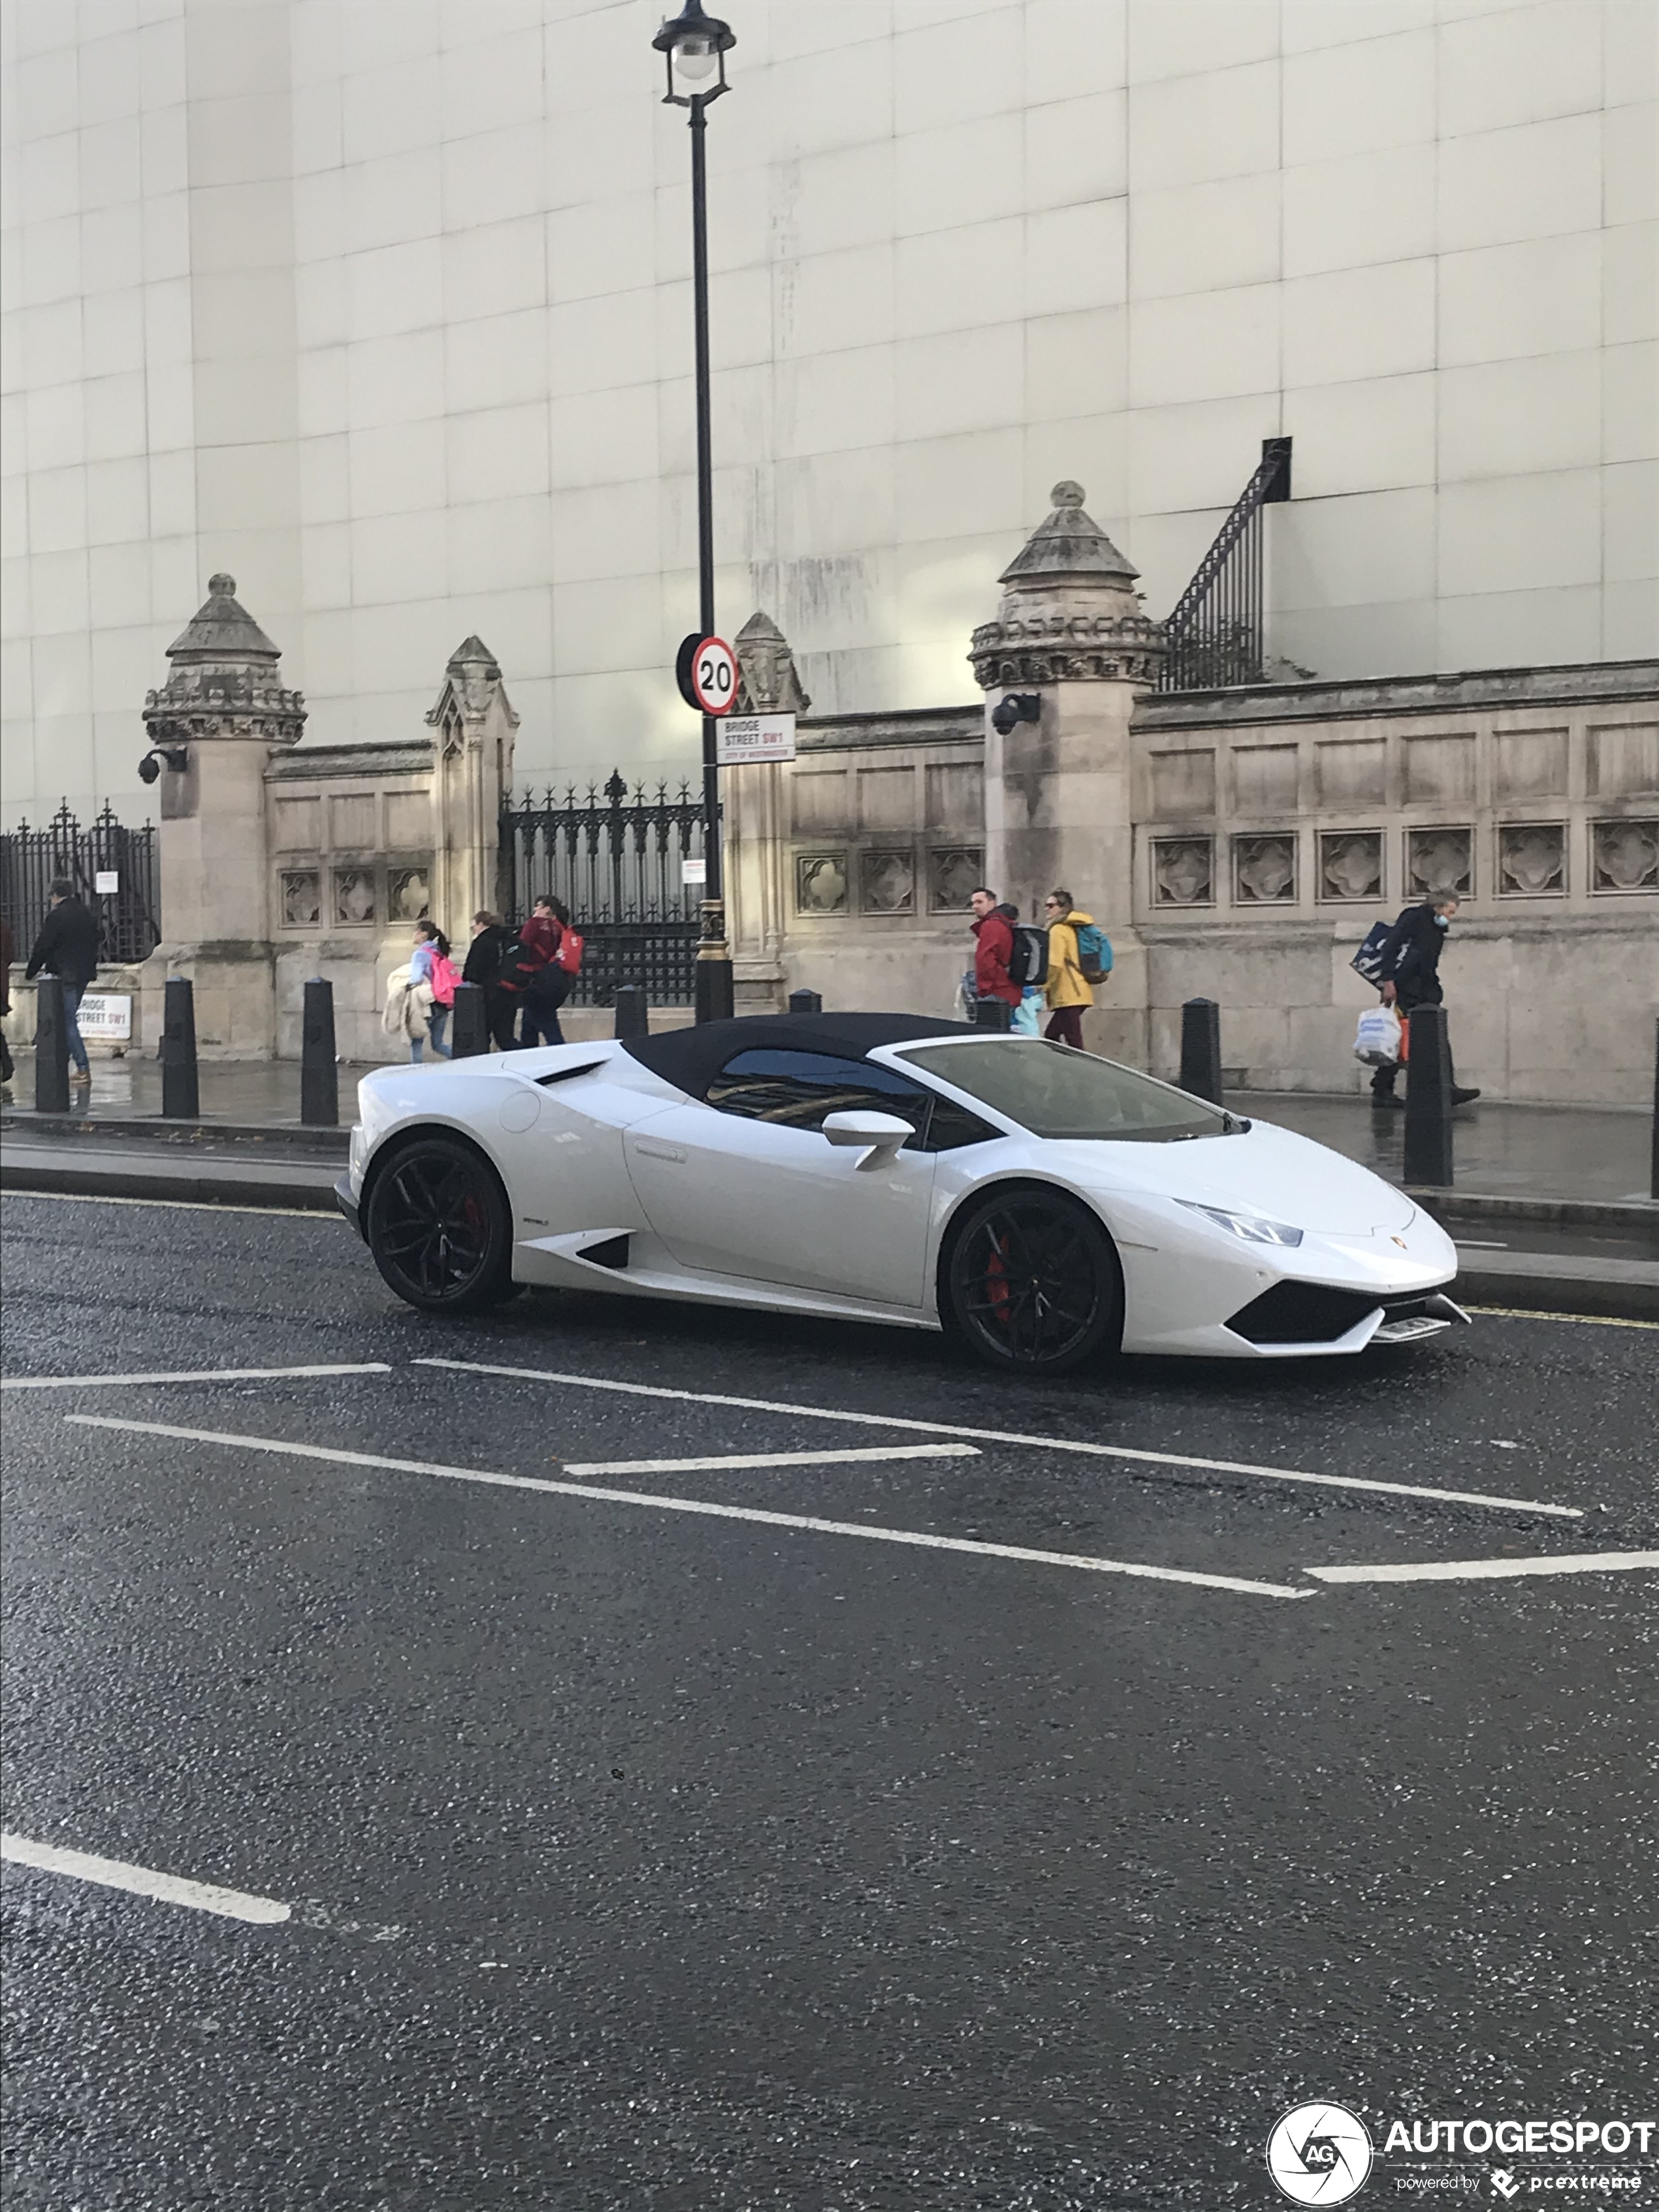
(993, 950)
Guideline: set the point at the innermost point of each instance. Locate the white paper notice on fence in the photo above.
(740, 737)
(105, 1014)
(694, 871)
(105, 881)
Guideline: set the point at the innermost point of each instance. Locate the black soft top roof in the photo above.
(690, 1059)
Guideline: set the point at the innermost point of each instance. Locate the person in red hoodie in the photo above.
(993, 950)
(533, 976)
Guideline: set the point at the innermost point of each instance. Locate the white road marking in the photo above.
(924, 1540)
(1012, 1436)
(184, 1374)
(1454, 1571)
(770, 1459)
(1584, 1321)
(143, 1882)
(329, 1212)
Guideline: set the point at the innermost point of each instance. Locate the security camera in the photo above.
(150, 768)
(1018, 706)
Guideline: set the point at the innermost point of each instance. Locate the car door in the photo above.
(747, 1184)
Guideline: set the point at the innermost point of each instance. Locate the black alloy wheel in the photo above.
(1034, 1283)
(439, 1228)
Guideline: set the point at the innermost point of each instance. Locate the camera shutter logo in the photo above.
(1319, 2155)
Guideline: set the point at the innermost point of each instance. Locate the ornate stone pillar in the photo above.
(216, 721)
(756, 800)
(1071, 631)
(471, 772)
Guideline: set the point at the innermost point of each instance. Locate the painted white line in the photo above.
(1583, 1320)
(920, 1538)
(143, 1882)
(1457, 1570)
(184, 1374)
(175, 1204)
(771, 1459)
(1012, 1436)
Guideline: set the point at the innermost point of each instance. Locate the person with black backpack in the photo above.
(1404, 963)
(492, 942)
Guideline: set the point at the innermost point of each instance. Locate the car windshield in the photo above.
(1055, 1092)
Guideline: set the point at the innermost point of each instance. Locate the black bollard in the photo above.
(181, 1097)
(1428, 1100)
(1200, 1049)
(633, 1015)
(469, 1027)
(319, 1078)
(1654, 1185)
(51, 1048)
(994, 1014)
(806, 1002)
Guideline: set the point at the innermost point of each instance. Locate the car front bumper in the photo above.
(346, 1198)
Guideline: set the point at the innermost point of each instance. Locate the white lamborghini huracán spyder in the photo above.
(1048, 1204)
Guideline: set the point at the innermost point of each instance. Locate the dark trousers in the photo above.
(501, 1012)
(1383, 1081)
(540, 1024)
(1066, 1024)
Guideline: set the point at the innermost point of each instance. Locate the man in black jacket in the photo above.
(1409, 962)
(67, 948)
(492, 942)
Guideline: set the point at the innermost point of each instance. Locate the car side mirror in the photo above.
(877, 1135)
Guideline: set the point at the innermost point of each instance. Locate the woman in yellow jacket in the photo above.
(1066, 993)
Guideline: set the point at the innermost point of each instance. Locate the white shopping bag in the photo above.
(1377, 1039)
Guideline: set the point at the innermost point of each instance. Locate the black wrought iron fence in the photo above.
(616, 858)
(1214, 631)
(128, 915)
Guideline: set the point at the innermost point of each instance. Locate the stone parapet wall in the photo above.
(1275, 824)
(849, 868)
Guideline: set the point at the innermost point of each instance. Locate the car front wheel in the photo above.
(1033, 1282)
(439, 1228)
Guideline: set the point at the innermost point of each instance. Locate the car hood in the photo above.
(1265, 1170)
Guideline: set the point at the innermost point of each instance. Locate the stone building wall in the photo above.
(849, 867)
(1275, 824)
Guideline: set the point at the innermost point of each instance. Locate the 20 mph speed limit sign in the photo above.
(707, 674)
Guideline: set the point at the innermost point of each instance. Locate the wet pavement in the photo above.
(641, 1856)
(1603, 1153)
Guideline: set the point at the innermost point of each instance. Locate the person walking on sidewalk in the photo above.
(7, 950)
(492, 944)
(1410, 965)
(994, 948)
(67, 947)
(1067, 992)
(533, 975)
(430, 964)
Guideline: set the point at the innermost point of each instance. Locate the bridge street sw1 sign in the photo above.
(740, 737)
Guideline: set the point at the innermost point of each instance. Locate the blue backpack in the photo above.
(1094, 953)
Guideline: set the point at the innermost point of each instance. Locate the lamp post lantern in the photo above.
(694, 46)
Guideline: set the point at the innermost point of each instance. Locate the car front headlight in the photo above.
(1252, 1227)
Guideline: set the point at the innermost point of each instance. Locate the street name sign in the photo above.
(754, 737)
(105, 1014)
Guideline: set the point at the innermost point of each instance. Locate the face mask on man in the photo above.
(1443, 921)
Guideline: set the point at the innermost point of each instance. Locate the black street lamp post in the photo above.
(694, 47)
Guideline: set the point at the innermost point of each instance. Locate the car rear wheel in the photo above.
(1034, 1284)
(439, 1228)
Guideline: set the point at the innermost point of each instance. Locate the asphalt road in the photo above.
(638, 1857)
